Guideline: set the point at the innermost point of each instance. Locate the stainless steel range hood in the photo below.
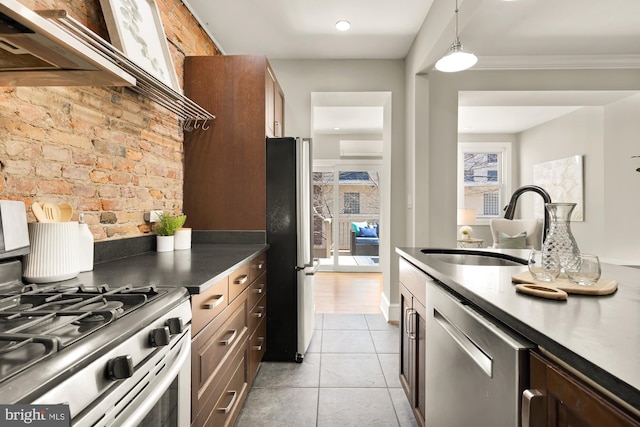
(35, 52)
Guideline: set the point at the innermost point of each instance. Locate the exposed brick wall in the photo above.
(107, 151)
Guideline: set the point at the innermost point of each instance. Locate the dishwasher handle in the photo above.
(465, 343)
(528, 398)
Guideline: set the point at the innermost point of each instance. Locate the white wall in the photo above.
(578, 133)
(606, 137)
(299, 78)
(621, 201)
(327, 146)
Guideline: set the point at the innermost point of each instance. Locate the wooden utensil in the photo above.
(51, 212)
(559, 288)
(66, 212)
(36, 208)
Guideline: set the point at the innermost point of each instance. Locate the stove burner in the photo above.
(104, 305)
(37, 322)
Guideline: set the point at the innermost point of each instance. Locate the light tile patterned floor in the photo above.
(349, 377)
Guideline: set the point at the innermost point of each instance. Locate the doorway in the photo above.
(346, 215)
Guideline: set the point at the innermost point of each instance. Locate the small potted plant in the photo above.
(166, 228)
(465, 232)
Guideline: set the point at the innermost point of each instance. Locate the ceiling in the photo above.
(499, 32)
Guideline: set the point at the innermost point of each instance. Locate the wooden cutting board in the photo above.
(560, 288)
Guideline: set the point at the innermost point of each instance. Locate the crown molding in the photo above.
(555, 62)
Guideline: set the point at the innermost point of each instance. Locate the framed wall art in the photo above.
(563, 180)
(136, 29)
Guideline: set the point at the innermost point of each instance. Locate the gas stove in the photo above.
(40, 321)
(56, 340)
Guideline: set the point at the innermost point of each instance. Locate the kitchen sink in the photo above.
(469, 257)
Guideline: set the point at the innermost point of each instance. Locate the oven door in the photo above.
(157, 394)
(166, 399)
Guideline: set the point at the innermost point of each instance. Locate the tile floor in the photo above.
(349, 377)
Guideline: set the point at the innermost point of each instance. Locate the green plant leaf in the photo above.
(168, 224)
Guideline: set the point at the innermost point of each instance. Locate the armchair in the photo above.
(513, 227)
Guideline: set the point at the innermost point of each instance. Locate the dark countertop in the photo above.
(195, 269)
(598, 336)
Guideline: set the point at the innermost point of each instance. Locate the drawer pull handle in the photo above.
(241, 280)
(260, 265)
(259, 346)
(528, 398)
(229, 340)
(234, 395)
(213, 302)
(259, 313)
(259, 290)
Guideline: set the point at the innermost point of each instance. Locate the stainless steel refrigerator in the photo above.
(290, 263)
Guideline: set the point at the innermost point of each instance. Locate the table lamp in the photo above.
(466, 218)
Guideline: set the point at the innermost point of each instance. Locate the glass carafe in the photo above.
(560, 241)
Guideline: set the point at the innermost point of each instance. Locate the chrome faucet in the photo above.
(510, 209)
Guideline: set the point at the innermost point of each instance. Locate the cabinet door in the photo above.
(420, 324)
(412, 352)
(405, 342)
(564, 400)
(278, 111)
(270, 91)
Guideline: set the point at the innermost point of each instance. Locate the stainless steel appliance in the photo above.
(114, 356)
(290, 318)
(36, 52)
(476, 371)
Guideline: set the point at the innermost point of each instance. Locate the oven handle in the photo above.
(158, 389)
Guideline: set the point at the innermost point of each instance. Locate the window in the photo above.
(351, 203)
(484, 171)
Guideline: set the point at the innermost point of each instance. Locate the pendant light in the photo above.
(456, 59)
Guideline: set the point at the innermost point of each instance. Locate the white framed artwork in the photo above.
(563, 180)
(136, 29)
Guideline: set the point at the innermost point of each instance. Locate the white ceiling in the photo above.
(304, 29)
(499, 32)
(383, 29)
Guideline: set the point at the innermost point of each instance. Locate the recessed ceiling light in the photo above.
(343, 25)
(336, 128)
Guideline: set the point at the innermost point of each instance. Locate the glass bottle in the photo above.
(560, 241)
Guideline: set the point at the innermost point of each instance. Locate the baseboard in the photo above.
(391, 312)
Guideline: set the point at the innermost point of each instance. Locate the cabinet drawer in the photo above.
(239, 281)
(257, 290)
(212, 348)
(230, 391)
(257, 348)
(257, 314)
(207, 305)
(414, 280)
(258, 265)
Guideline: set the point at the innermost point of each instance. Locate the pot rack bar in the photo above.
(192, 115)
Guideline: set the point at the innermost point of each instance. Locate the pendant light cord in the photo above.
(457, 38)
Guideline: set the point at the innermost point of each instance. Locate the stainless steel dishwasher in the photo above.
(476, 371)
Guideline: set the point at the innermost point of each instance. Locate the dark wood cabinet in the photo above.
(558, 398)
(225, 164)
(413, 337)
(228, 342)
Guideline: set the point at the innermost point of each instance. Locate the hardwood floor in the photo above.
(347, 292)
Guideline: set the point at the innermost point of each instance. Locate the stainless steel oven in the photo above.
(116, 357)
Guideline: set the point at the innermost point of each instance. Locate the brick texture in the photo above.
(107, 151)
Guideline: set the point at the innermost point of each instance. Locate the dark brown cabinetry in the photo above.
(225, 165)
(413, 333)
(228, 342)
(558, 398)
